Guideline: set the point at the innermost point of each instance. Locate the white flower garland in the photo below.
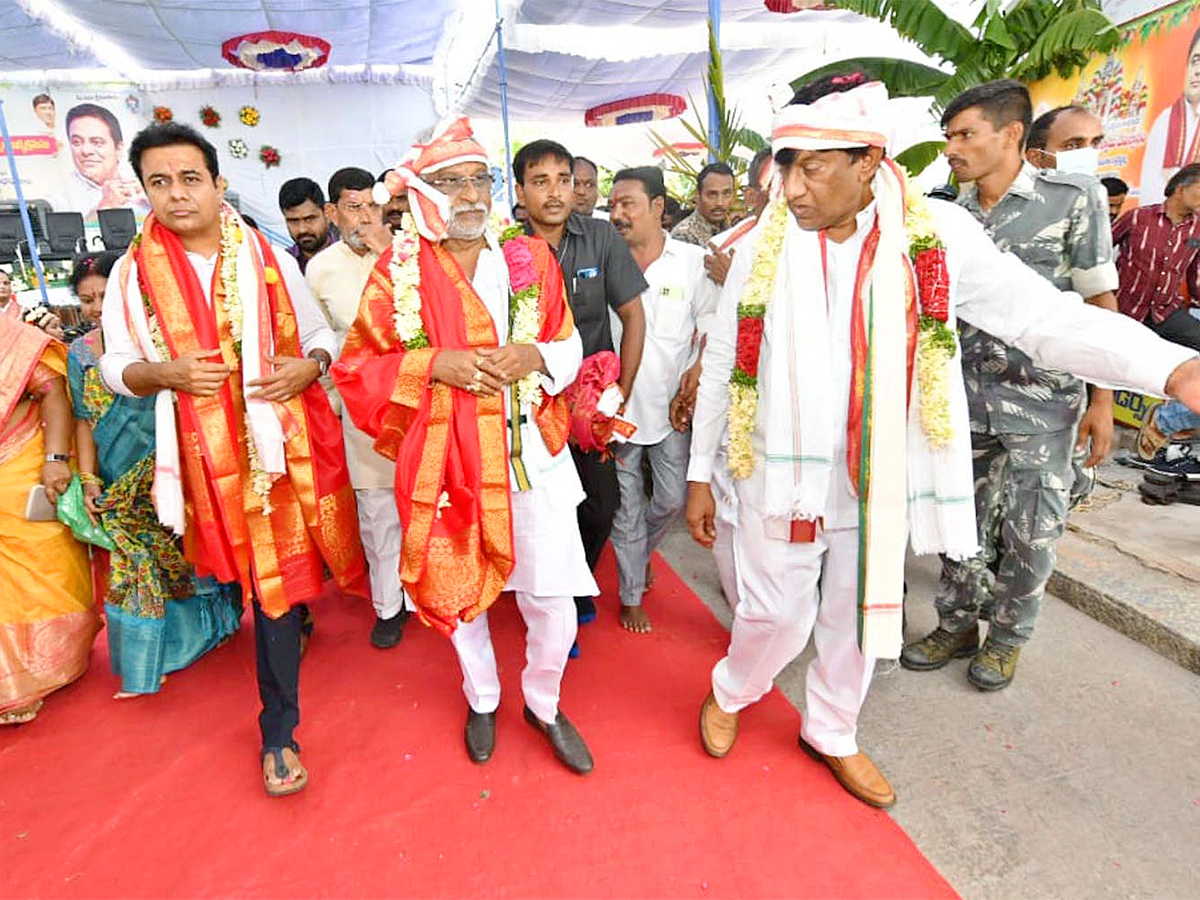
(405, 271)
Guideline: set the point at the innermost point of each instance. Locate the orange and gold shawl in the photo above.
(451, 450)
(280, 554)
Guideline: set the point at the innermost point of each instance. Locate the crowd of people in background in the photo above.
(143, 468)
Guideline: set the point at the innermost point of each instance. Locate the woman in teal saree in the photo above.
(161, 617)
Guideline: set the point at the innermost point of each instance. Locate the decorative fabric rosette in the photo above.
(751, 311)
(249, 116)
(238, 149)
(163, 114)
(269, 156)
(210, 117)
(936, 343)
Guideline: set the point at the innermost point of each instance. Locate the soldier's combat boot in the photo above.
(994, 666)
(939, 647)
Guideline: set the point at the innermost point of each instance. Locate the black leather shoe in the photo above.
(480, 735)
(387, 632)
(568, 745)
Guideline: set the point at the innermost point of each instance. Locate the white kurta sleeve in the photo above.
(562, 359)
(120, 351)
(1001, 295)
(311, 324)
(1152, 181)
(712, 397)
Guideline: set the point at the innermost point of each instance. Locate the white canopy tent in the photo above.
(394, 65)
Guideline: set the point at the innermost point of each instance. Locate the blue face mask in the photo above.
(1083, 161)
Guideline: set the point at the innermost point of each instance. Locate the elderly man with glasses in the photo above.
(455, 365)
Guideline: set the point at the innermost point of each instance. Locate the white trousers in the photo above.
(550, 625)
(789, 592)
(379, 530)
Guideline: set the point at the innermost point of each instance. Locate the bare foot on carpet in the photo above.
(649, 577)
(634, 619)
(125, 695)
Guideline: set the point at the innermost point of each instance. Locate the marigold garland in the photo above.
(163, 114)
(936, 344)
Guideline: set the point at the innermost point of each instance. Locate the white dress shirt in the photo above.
(121, 351)
(679, 304)
(991, 290)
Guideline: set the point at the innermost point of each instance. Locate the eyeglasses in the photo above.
(456, 184)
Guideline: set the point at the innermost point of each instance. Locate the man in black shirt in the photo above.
(600, 274)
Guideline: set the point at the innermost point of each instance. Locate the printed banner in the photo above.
(71, 146)
(1147, 93)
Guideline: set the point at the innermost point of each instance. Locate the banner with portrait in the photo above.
(1147, 93)
(71, 146)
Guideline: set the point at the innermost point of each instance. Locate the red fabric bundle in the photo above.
(592, 430)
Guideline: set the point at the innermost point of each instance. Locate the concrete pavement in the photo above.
(1081, 780)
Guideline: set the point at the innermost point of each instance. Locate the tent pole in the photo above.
(714, 118)
(508, 173)
(29, 238)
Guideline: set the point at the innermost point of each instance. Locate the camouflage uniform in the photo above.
(695, 229)
(1024, 419)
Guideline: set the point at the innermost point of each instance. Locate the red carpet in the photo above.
(162, 796)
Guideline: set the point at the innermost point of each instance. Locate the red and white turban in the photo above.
(858, 117)
(453, 142)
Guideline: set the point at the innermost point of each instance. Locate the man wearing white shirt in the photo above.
(337, 276)
(183, 320)
(839, 458)
(1173, 141)
(455, 364)
(678, 303)
(96, 143)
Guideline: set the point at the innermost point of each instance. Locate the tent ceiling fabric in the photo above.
(182, 35)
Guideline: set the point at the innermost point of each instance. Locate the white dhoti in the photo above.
(379, 530)
(789, 592)
(724, 524)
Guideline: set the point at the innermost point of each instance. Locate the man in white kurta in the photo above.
(798, 557)
(412, 309)
(337, 276)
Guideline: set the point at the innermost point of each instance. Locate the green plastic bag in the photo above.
(73, 514)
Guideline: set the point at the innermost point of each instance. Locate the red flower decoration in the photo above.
(749, 341)
(209, 116)
(163, 114)
(269, 156)
(933, 283)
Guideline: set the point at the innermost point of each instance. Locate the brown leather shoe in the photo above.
(718, 729)
(857, 774)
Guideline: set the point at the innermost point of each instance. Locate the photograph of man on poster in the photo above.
(44, 109)
(1174, 140)
(97, 148)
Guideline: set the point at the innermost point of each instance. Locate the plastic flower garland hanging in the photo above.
(210, 117)
(269, 156)
(163, 114)
(249, 116)
(238, 149)
(936, 344)
(751, 310)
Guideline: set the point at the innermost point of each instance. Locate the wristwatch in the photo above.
(58, 457)
(323, 360)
